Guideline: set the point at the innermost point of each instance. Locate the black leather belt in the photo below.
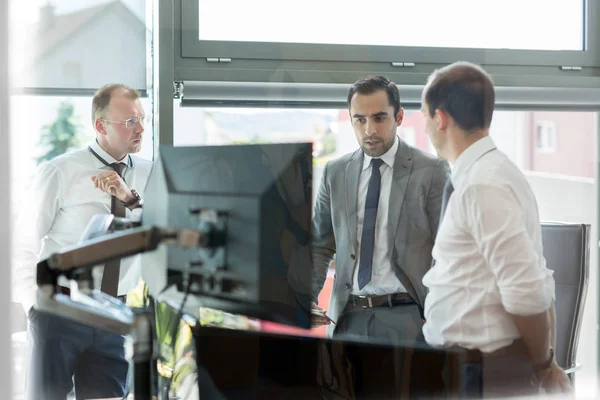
(67, 291)
(386, 300)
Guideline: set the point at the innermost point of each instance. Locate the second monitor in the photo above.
(254, 203)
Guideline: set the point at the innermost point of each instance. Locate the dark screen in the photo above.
(261, 197)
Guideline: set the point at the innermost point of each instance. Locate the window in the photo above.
(415, 41)
(512, 132)
(214, 126)
(409, 134)
(347, 23)
(546, 137)
(64, 51)
(323, 44)
(72, 73)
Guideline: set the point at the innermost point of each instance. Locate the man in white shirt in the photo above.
(489, 291)
(377, 211)
(65, 194)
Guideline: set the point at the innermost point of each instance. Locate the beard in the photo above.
(375, 146)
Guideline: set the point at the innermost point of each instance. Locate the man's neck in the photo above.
(114, 154)
(463, 140)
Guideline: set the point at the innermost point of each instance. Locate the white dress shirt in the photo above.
(383, 278)
(488, 253)
(61, 201)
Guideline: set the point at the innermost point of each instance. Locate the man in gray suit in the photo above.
(377, 211)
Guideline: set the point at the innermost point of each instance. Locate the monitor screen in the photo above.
(271, 366)
(257, 198)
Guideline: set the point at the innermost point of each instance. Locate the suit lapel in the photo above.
(402, 169)
(353, 169)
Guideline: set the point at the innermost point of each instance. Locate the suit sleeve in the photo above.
(323, 244)
(434, 197)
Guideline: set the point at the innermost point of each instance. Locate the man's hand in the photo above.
(111, 183)
(554, 380)
(318, 320)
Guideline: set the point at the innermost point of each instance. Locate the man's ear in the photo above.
(442, 119)
(400, 117)
(99, 125)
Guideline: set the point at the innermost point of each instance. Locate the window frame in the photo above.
(334, 95)
(300, 56)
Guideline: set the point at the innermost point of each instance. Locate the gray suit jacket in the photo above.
(415, 202)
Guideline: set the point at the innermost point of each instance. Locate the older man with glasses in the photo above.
(106, 178)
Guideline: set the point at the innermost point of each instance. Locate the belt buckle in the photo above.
(369, 301)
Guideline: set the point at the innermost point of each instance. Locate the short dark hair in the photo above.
(371, 84)
(103, 95)
(465, 91)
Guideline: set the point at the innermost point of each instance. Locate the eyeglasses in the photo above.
(131, 122)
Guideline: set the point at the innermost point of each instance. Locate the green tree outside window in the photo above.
(61, 135)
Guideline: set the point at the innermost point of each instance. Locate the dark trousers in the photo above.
(391, 325)
(388, 375)
(506, 372)
(65, 353)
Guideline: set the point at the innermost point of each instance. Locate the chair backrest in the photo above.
(566, 250)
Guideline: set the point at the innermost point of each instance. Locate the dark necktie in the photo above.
(112, 269)
(448, 189)
(367, 241)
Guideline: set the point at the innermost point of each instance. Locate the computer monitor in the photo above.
(254, 202)
(236, 364)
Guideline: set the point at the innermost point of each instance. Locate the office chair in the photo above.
(566, 250)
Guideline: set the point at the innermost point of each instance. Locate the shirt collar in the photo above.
(388, 157)
(469, 156)
(107, 157)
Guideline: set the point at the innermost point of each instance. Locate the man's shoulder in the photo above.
(341, 162)
(65, 160)
(421, 156)
(496, 169)
(427, 165)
